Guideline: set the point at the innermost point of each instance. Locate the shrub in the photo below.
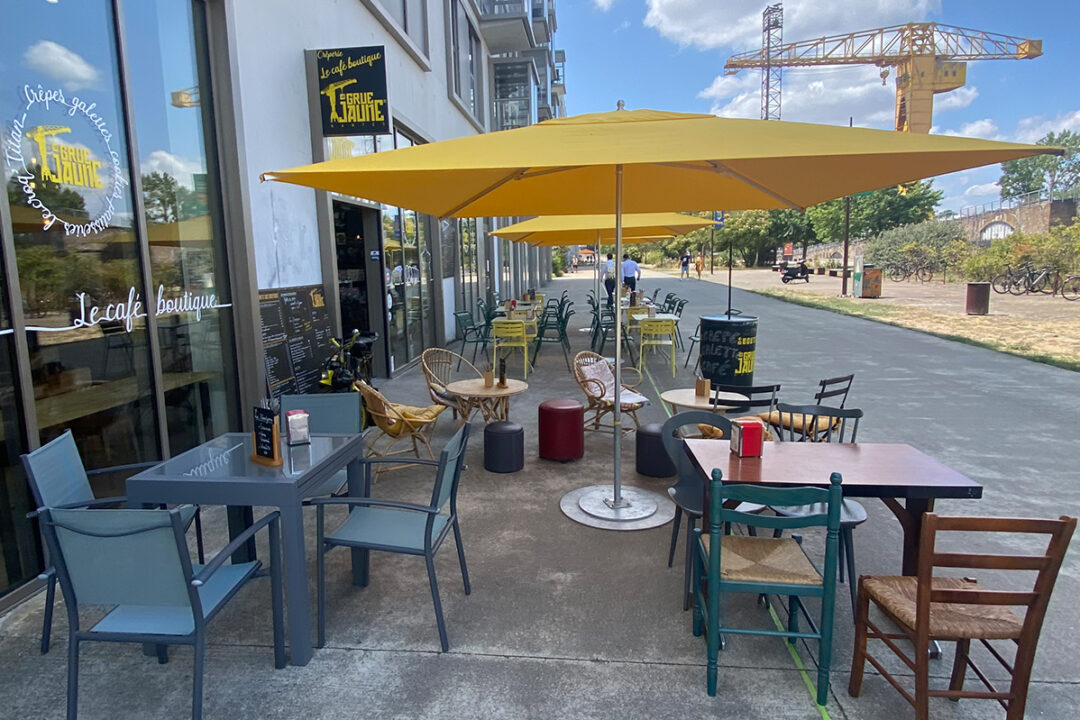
(1059, 248)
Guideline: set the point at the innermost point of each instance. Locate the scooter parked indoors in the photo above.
(798, 272)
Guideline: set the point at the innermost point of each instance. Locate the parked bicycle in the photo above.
(923, 272)
(1039, 281)
(1011, 279)
(1070, 287)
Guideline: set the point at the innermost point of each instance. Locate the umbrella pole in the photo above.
(617, 502)
(729, 264)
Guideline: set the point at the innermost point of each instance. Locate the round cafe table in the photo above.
(688, 398)
(492, 402)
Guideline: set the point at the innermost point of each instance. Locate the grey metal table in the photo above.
(221, 472)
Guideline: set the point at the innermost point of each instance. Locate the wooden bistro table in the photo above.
(907, 480)
(688, 398)
(492, 402)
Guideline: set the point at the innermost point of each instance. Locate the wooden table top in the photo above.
(688, 398)
(474, 387)
(869, 469)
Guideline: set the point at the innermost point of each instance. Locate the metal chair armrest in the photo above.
(351, 501)
(238, 542)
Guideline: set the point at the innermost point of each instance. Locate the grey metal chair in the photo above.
(137, 562)
(331, 413)
(58, 479)
(817, 423)
(688, 492)
(399, 527)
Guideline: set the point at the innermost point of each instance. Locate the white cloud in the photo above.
(624, 25)
(710, 24)
(986, 129)
(604, 5)
(62, 64)
(1031, 129)
(983, 190)
(810, 95)
(180, 168)
(956, 99)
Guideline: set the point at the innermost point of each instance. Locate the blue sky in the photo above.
(669, 55)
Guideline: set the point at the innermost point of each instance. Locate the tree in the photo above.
(792, 226)
(63, 202)
(166, 200)
(876, 212)
(751, 234)
(1051, 173)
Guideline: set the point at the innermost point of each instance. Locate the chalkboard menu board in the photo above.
(264, 439)
(296, 336)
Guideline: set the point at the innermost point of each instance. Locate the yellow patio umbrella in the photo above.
(561, 230)
(646, 161)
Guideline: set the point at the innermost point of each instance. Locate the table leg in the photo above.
(241, 517)
(359, 486)
(296, 584)
(910, 515)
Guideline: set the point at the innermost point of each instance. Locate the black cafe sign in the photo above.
(352, 91)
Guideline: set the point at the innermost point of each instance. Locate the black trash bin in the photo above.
(727, 348)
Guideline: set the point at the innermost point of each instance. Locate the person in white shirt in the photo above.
(609, 279)
(631, 273)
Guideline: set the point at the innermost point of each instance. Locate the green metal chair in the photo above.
(137, 562)
(554, 331)
(58, 479)
(472, 334)
(399, 527)
(764, 566)
(330, 413)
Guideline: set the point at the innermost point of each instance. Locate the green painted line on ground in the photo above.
(810, 684)
(652, 382)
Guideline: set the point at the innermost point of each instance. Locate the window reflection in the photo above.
(170, 92)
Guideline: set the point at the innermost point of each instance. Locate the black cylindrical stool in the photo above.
(652, 458)
(504, 447)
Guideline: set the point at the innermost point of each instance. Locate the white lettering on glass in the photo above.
(131, 309)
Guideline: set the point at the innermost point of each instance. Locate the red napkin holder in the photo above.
(747, 437)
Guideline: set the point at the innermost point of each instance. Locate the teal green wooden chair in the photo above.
(329, 413)
(136, 562)
(554, 331)
(399, 527)
(766, 566)
(58, 479)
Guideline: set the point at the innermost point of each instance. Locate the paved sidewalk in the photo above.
(569, 621)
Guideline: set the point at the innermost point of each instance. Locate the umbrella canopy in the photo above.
(645, 161)
(555, 230)
(586, 251)
(671, 161)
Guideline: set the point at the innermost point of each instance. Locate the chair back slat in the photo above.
(830, 388)
(780, 496)
(56, 473)
(332, 413)
(113, 557)
(451, 462)
(762, 398)
(990, 562)
(982, 597)
(817, 423)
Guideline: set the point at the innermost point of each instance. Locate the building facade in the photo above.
(153, 290)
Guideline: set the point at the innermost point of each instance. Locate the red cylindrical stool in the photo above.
(562, 429)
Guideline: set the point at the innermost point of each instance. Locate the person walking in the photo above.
(684, 266)
(699, 265)
(609, 279)
(631, 273)
(573, 264)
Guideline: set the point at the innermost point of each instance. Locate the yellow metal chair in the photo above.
(657, 333)
(633, 320)
(511, 334)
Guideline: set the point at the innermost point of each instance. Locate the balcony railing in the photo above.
(504, 7)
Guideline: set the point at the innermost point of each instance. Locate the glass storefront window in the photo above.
(66, 166)
(171, 96)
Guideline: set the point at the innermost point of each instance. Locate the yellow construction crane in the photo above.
(928, 59)
(186, 98)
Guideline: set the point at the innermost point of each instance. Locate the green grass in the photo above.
(894, 314)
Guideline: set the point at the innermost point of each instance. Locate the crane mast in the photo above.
(927, 58)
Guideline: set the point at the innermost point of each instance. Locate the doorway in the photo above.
(359, 272)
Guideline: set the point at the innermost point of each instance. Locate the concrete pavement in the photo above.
(569, 621)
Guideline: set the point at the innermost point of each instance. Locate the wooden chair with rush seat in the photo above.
(929, 607)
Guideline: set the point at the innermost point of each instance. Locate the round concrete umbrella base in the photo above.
(639, 510)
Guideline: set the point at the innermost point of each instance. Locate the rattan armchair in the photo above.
(438, 365)
(598, 385)
(397, 422)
